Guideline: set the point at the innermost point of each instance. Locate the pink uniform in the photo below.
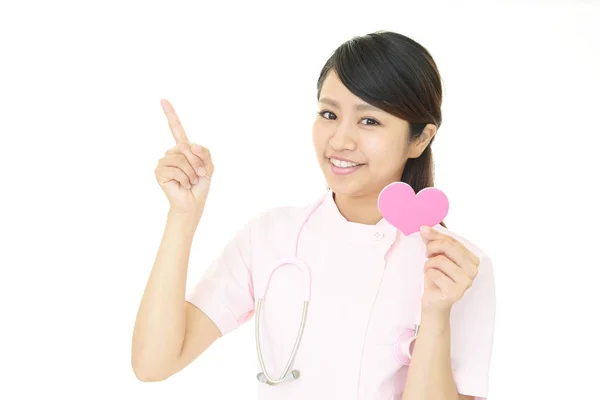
(365, 291)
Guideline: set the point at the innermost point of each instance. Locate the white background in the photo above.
(82, 129)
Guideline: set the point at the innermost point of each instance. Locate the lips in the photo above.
(339, 167)
(343, 163)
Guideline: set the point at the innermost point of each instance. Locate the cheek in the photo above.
(319, 137)
(372, 147)
(385, 155)
(381, 150)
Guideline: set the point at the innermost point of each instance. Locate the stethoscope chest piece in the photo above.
(402, 347)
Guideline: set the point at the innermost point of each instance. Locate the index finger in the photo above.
(431, 233)
(174, 123)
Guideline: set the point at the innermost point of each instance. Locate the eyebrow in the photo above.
(357, 107)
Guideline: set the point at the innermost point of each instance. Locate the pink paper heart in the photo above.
(406, 211)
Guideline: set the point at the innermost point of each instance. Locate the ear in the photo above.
(420, 144)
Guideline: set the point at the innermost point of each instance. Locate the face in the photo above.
(360, 149)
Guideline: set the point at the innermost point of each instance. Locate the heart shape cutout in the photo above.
(406, 211)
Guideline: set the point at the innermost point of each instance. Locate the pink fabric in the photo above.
(360, 304)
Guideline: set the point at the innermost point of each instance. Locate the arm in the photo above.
(170, 333)
(451, 356)
(430, 362)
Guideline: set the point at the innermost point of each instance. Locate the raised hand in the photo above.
(449, 271)
(185, 171)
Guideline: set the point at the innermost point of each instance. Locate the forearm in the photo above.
(429, 374)
(160, 325)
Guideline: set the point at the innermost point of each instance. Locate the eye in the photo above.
(322, 114)
(325, 112)
(375, 122)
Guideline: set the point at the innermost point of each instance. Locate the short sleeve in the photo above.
(225, 291)
(472, 333)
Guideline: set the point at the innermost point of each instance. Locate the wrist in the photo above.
(184, 220)
(438, 320)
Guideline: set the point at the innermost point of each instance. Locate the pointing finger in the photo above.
(174, 123)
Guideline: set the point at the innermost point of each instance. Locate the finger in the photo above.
(194, 159)
(174, 122)
(169, 173)
(204, 154)
(447, 267)
(440, 280)
(431, 234)
(456, 254)
(180, 161)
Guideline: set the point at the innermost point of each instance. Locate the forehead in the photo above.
(334, 88)
(335, 94)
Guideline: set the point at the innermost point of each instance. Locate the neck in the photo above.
(362, 210)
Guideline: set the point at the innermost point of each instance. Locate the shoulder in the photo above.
(270, 234)
(279, 221)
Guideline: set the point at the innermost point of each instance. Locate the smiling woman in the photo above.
(375, 128)
(379, 99)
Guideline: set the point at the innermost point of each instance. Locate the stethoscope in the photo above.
(402, 346)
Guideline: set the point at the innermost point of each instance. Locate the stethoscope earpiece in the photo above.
(290, 376)
(261, 377)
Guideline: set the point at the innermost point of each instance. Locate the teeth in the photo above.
(342, 164)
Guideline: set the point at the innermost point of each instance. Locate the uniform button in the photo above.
(378, 235)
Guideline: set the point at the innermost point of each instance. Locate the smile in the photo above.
(342, 167)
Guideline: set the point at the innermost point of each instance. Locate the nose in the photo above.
(342, 138)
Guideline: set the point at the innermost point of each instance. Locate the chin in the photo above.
(347, 187)
(353, 187)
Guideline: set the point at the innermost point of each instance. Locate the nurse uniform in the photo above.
(365, 292)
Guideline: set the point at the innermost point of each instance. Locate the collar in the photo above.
(339, 227)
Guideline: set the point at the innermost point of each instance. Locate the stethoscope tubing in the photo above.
(285, 376)
(402, 350)
(264, 375)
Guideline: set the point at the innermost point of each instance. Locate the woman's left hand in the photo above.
(449, 271)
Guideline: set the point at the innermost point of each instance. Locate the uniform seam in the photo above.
(362, 353)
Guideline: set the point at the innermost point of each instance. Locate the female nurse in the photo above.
(379, 108)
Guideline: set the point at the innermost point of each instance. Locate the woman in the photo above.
(379, 99)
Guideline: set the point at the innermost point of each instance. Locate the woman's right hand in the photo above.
(184, 172)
